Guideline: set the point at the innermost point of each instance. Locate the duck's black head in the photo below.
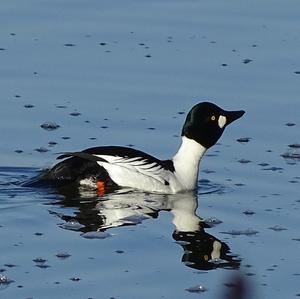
(206, 122)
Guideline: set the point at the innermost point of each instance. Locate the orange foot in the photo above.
(101, 188)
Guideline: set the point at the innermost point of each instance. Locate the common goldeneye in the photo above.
(109, 167)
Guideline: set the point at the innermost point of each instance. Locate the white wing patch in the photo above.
(136, 168)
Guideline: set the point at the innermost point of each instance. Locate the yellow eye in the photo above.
(213, 117)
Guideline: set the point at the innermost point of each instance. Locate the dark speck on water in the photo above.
(248, 212)
(75, 113)
(246, 232)
(63, 255)
(28, 106)
(244, 161)
(290, 124)
(41, 149)
(69, 45)
(277, 228)
(75, 279)
(197, 289)
(50, 126)
(243, 139)
(247, 60)
(39, 260)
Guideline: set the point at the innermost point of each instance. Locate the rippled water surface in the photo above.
(75, 74)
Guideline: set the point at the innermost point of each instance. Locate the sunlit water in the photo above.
(126, 73)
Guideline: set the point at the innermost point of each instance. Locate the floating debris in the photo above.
(41, 150)
(248, 212)
(263, 164)
(277, 228)
(75, 113)
(290, 124)
(273, 168)
(39, 260)
(63, 255)
(291, 156)
(42, 266)
(69, 45)
(246, 232)
(96, 235)
(38, 234)
(243, 139)
(244, 161)
(196, 289)
(247, 60)
(50, 126)
(28, 106)
(10, 265)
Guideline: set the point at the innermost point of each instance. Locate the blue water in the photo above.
(125, 73)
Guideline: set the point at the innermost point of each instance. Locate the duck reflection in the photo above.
(202, 251)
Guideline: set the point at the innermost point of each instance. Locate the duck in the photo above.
(106, 168)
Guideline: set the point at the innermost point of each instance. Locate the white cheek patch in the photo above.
(222, 121)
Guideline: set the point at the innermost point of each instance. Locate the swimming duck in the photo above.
(109, 167)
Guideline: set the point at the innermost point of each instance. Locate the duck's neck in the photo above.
(186, 162)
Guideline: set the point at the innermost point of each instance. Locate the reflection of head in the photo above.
(201, 250)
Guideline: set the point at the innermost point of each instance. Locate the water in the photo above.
(125, 73)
